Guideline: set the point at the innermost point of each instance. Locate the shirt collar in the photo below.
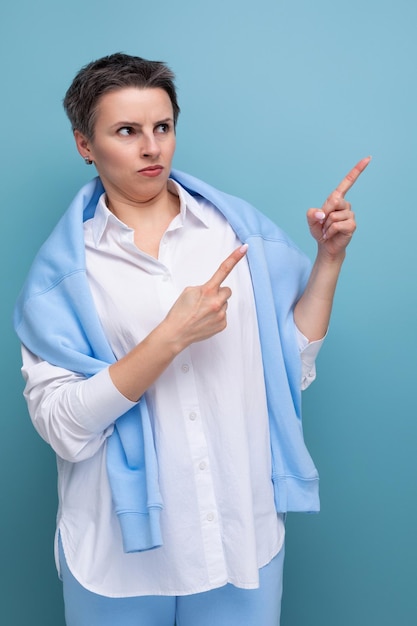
(104, 219)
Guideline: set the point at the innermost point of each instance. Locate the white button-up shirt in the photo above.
(208, 410)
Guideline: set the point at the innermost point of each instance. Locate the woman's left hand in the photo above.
(333, 225)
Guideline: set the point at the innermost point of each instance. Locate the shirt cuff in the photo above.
(102, 401)
(309, 349)
(308, 354)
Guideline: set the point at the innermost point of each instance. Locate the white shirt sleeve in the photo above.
(75, 414)
(308, 354)
(72, 413)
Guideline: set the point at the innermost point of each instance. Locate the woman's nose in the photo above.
(149, 146)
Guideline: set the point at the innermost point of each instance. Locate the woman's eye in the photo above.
(162, 128)
(125, 131)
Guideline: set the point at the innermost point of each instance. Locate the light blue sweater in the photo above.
(55, 318)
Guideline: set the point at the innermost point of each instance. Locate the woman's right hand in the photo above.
(200, 312)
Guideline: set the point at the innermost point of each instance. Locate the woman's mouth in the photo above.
(151, 171)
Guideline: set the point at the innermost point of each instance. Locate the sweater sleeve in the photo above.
(74, 414)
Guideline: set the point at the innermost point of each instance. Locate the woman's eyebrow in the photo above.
(138, 125)
(164, 121)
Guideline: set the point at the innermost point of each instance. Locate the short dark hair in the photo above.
(109, 74)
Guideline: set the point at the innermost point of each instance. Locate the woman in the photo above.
(174, 410)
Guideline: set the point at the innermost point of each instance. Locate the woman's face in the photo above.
(133, 145)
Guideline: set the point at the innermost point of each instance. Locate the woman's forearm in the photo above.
(312, 312)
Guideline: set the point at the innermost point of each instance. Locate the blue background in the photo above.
(279, 100)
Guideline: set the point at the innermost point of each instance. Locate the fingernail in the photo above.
(320, 215)
(243, 248)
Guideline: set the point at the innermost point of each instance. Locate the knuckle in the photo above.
(227, 266)
(206, 291)
(223, 316)
(215, 307)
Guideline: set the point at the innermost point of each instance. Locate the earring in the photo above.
(87, 161)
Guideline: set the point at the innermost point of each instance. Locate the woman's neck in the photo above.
(149, 220)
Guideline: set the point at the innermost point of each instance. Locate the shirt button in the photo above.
(210, 517)
(202, 465)
(192, 416)
(185, 367)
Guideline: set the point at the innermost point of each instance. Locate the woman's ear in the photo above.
(83, 146)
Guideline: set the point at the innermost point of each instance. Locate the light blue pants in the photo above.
(226, 606)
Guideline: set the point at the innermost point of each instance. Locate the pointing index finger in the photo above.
(352, 177)
(226, 267)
